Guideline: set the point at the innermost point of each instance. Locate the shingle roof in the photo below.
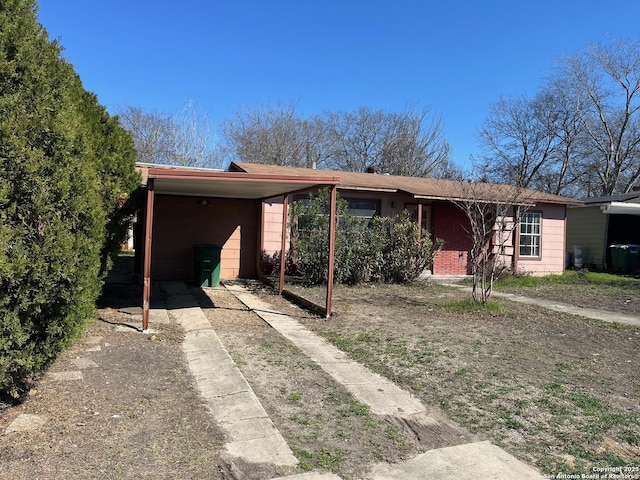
(632, 197)
(418, 187)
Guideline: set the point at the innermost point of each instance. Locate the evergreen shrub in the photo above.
(381, 249)
(66, 170)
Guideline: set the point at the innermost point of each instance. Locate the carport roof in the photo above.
(201, 182)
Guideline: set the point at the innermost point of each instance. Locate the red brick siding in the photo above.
(449, 224)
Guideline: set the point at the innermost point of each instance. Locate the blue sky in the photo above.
(455, 56)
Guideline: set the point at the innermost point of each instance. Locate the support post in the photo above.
(148, 230)
(419, 222)
(283, 246)
(260, 242)
(332, 247)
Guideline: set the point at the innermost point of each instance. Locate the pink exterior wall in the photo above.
(273, 214)
(552, 242)
(449, 223)
(179, 223)
(272, 239)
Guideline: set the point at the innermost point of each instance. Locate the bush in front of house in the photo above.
(381, 249)
(66, 169)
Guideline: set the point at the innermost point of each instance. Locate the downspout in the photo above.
(146, 288)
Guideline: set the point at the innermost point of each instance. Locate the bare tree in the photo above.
(410, 143)
(357, 138)
(519, 140)
(149, 130)
(415, 145)
(271, 135)
(605, 83)
(580, 135)
(559, 175)
(493, 212)
(182, 138)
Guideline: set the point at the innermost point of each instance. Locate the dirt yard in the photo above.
(133, 414)
(325, 426)
(560, 392)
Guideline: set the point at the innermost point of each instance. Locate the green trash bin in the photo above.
(206, 265)
(616, 256)
(630, 257)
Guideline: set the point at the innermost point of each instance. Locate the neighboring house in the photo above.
(537, 246)
(601, 222)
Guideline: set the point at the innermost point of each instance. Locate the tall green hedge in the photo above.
(66, 168)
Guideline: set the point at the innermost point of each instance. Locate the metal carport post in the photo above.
(148, 230)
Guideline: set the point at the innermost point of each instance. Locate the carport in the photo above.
(186, 189)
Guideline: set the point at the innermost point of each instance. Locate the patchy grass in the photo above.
(560, 392)
(570, 277)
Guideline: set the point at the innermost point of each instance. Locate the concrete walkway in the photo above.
(602, 315)
(383, 396)
(251, 435)
(478, 461)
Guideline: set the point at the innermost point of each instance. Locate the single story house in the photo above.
(243, 211)
(537, 248)
(600, 222)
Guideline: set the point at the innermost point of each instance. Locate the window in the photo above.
(530, 234)
(362, 208)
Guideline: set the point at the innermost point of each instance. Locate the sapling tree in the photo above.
(493, 214)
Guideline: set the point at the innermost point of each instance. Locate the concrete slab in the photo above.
(190, 318)
(473, 461)
(351, 373)
(603, 315)
(236, 407)
(66, 376)
(387, 398)
(271, 449)
(250, 429)
(251, 434)
(320, 354)
(92, 340)
(95, 348)
(131, 327)
(211, 384)
(184, 300)
(26, 422)
(131, 310)
(82, 362)
(158, 315)
(172, 289)
(311, 476)
(477, 461)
